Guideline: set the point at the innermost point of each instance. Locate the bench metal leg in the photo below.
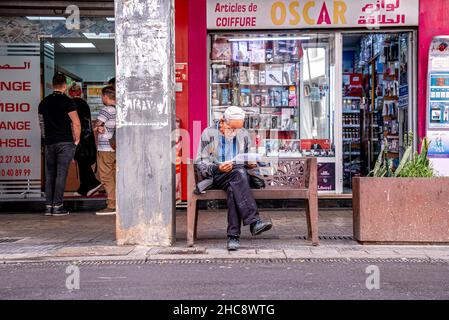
(192, 214)
(195, 227)
(312, 220)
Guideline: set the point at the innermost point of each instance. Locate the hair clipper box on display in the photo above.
(221, 51)
(274, 74)
(245, 97)
(220, 73)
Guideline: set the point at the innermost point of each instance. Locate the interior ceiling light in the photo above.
(110, 18)
(45, 18)
(269, 39)
(101, 35)
(72, 45)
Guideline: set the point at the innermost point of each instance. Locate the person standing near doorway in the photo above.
(61, 131)
(86, 153)
(111, 82)
(105, 126)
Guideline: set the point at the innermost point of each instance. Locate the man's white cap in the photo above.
(234, 113)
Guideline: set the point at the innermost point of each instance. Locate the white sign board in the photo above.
(309, 14)
(20, 138)
(438, 104)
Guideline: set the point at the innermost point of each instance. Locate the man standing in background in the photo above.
(86, 153)
(61, 131)
(105, 127)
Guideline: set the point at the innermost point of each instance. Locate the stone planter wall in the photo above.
(401, 210)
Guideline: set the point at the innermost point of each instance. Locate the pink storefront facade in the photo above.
(195, 31)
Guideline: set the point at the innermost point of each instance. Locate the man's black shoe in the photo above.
(48, 210)
(259, 226)
(233, 243)
(60, 211)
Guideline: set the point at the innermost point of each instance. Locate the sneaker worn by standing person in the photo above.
(106, 212)
(48, 210)
(259, 226)
(233, 243)
(60, 211)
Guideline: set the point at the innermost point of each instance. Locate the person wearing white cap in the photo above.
(217, 169)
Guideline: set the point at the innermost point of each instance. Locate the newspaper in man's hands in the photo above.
(244, 158)
(263, 167)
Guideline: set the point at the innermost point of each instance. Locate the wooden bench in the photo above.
(295, 178)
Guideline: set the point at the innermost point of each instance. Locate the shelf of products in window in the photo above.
(251, 85)
(268, 129)
(299, 155)
(352, 171)
(390, 98)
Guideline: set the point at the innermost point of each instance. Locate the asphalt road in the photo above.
(225, 280)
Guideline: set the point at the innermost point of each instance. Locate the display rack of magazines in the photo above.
(262, 77)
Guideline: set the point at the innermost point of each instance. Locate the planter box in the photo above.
(401, 210)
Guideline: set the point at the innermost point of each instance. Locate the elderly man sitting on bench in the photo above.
(219, 146)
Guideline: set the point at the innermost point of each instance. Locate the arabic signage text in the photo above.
(20, 149)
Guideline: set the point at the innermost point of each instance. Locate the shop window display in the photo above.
(282, 83)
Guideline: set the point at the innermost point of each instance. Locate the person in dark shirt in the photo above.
(86, 153)
(111, 82)
(61, 132)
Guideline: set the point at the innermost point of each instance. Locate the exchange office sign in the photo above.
(20, 144)
(271, 14)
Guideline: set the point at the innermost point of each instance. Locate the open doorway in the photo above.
(377, 101)
(88, 65)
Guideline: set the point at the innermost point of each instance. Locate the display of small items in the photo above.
(391, 127)
(384, 123)
(351, 139)
(352, 134)
(350, 150)
(392, 146)
(262, 77)
(390, 109)
(351, 120)
(284, 119)
(296, 148)
(351, 104)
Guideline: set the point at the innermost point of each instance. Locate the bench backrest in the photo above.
(289, 173)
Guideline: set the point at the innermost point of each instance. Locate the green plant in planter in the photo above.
(419, 166)
(416, 166)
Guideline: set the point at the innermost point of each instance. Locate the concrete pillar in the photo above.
(145, 61)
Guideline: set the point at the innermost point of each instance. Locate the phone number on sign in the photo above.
(15, 159)
(15, 172)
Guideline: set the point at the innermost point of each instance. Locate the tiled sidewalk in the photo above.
(84, 236)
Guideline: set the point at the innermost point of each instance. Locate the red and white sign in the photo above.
(180, 76)
(181, 72)
(20, 137)
(309, 14)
